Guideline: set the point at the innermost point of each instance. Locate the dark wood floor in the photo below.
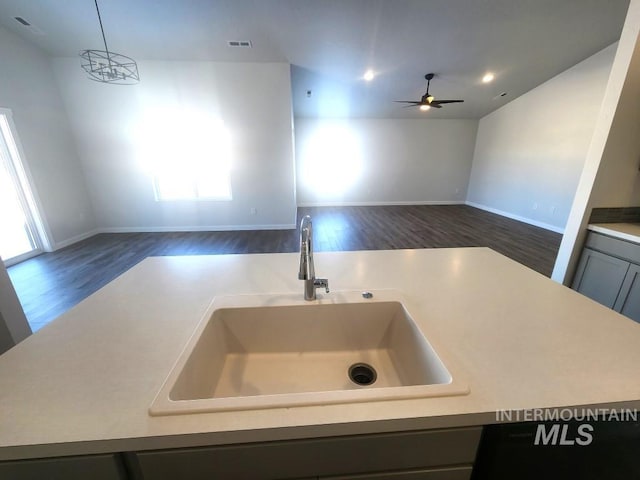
(51, 283)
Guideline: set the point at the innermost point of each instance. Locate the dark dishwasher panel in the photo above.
(509, 451)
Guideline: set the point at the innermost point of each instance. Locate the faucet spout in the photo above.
(307, 271)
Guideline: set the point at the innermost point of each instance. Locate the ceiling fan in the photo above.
(428, 100)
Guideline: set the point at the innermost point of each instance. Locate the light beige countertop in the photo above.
(624, 231)
(84, 383)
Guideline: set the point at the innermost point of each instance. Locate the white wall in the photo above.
(610, 176)
(13, 324)
(253, 100)
(28, 89)
(383, 161)
(618, 183)
(530, 153)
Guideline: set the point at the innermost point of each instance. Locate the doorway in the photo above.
(21, 235)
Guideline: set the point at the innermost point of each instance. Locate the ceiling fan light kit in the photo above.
(428, 100)
(109, 67)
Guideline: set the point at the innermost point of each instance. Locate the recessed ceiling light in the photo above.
(424, 108)
(488, 77)
(369, 75)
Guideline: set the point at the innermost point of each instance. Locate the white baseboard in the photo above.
(530, 221)
(291, 226)
(217, 228)
(380, 204)
(75, 239)
(213, 228)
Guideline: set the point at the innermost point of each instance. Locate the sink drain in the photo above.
(362, 374)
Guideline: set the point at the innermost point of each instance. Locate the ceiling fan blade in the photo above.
(427, 100)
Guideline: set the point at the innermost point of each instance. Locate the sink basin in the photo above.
(261, 351)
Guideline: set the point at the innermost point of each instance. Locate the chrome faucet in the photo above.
(307, 271)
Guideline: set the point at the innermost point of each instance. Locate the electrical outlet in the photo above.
(535, 206)
(253, 211)
(553, 210)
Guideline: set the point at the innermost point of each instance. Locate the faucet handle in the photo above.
(320, 283)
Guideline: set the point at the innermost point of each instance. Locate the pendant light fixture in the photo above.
(109, 67)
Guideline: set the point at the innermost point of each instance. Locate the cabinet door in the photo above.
(628, 302)
(600, 276)
(319, 457)
(93, 467)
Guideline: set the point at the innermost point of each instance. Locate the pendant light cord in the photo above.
(104, 39)
(109, 67)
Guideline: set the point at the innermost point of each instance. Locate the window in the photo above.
(331, 160)
(188, 156)
(204, 180)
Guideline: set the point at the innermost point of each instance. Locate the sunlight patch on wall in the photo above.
(331, 161)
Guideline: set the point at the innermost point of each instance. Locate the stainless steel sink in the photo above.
(262, 351)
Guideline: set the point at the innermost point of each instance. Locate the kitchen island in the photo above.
(84, 383)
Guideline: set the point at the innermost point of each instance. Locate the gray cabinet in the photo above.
(608, 273)
(94, 467)
(446, 454)
(628, 302)
(600, 276)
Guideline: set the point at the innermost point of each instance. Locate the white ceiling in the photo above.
(330, 43)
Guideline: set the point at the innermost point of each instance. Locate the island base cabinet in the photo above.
(453, 473)
(93, 467)
(429, 455)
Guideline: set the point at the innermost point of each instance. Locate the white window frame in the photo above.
(19, 171)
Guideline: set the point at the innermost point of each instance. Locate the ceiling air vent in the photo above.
(239, 43)
(32, 28)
